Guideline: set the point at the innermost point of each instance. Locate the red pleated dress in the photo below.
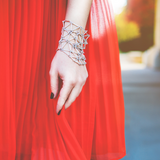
(93, 126)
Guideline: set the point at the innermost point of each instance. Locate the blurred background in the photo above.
(138, 29)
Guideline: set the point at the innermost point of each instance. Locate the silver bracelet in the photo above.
(76, 38)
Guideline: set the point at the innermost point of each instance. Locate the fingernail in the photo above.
(59, 112)
(52, 96)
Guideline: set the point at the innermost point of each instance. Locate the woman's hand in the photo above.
(72, 75)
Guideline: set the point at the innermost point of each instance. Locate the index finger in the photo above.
(64, 93)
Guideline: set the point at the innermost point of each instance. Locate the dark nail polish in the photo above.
(52, 96)
(59, 112)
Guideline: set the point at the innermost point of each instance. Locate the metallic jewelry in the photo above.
(76, 38)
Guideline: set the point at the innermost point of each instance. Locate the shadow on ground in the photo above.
(142, 112)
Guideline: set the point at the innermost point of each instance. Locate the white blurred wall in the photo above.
(157, 24)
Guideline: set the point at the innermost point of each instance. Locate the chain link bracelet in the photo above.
(76, 38)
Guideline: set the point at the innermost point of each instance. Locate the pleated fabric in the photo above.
(93, 126)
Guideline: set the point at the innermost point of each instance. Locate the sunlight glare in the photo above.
(118, 5)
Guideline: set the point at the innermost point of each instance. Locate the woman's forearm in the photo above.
(78, 11)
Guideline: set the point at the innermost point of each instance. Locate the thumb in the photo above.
(54, 83)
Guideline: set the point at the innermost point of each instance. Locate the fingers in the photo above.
(73, 95)
(72, 77)
(64, 94)
(54, 83)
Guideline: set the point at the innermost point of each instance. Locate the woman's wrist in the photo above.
(78, 11)
(73, 41)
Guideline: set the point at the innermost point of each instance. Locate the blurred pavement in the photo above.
(141, 89)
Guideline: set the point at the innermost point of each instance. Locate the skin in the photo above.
(72, 75)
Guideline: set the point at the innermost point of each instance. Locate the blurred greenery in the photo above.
(126, 30)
